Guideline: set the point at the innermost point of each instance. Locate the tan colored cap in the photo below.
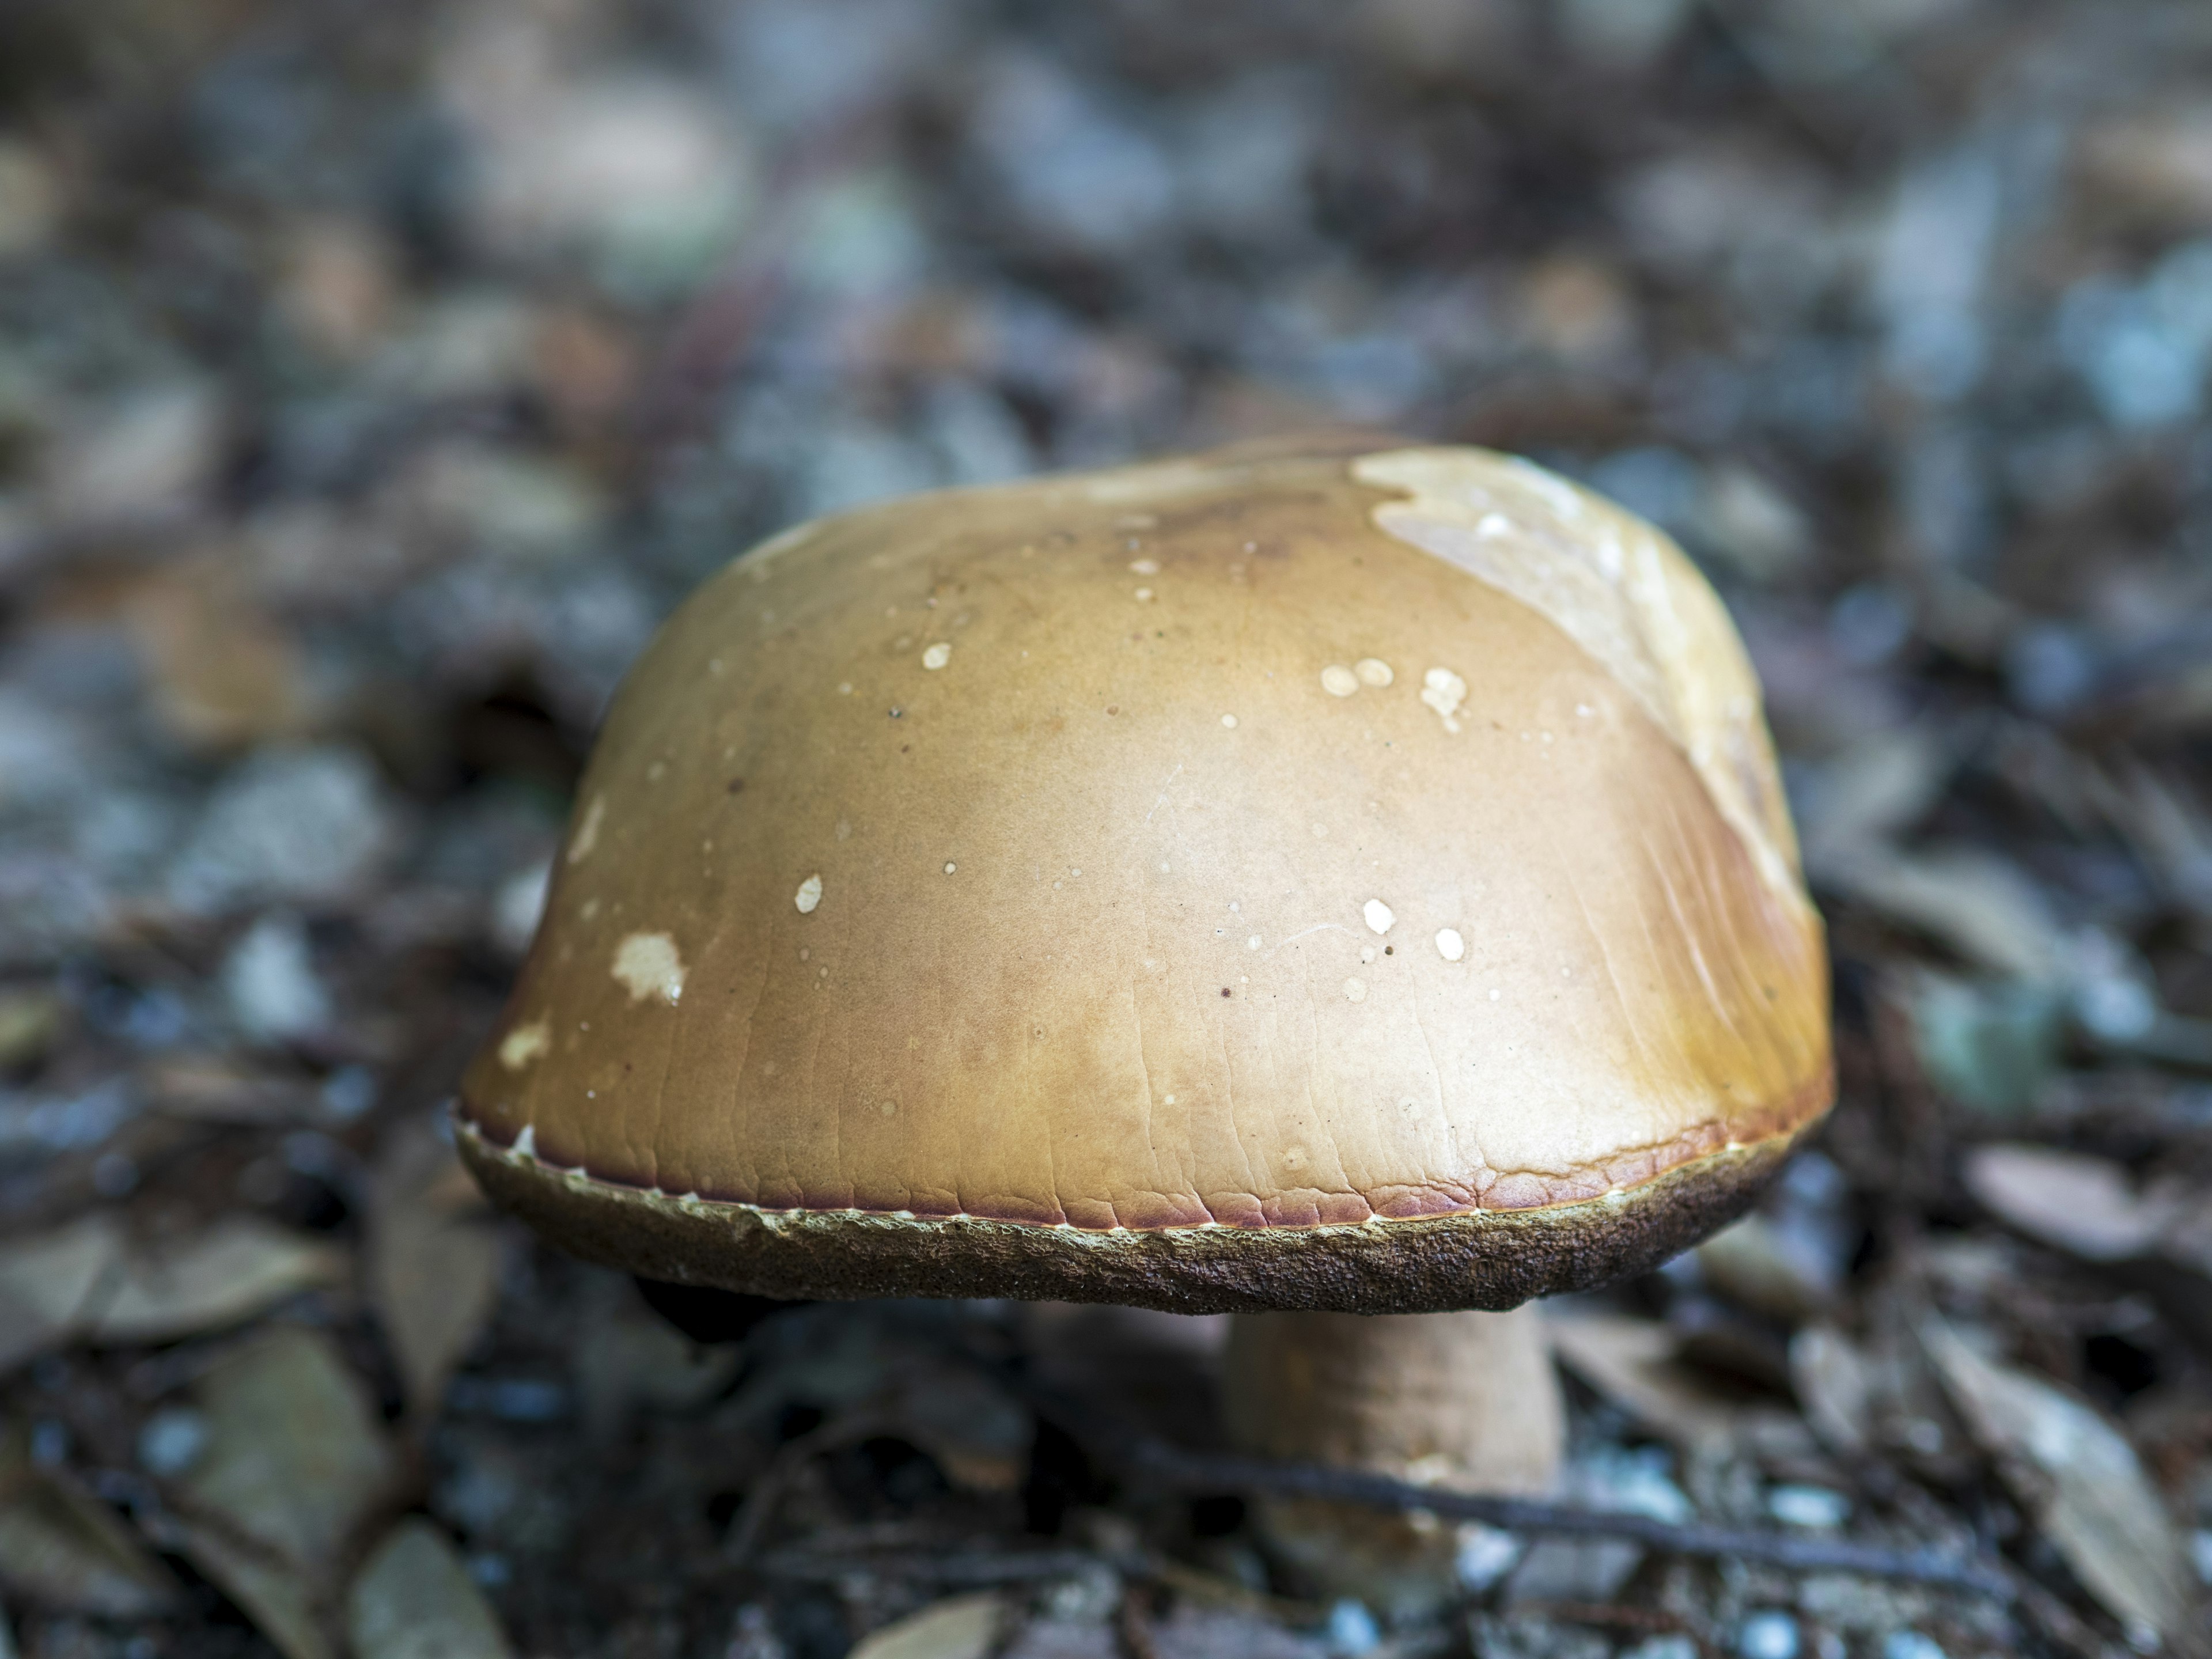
(1324, 880)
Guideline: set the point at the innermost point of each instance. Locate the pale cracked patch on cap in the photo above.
(524, 1044)
(648, 965)
(1622, 590)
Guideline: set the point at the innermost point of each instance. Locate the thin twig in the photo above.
(769, 1486)
(944, 1567)
(1206, 1471)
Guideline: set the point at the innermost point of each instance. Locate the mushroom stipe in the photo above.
(1491, 1259)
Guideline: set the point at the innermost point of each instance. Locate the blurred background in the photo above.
(375, 374)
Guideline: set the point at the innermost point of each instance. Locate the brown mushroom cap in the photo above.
(1321, 880)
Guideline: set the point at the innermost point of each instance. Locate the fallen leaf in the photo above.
(63, 1550)
(1632, 1363)
(2085, 1206)
(222, 672)
(434, 1261)
(1196, 1632)
(962, 1627)
(971, 1428)
(1060, 1637)
(1834, 1385)
(29, 1023)
(627, 1357)
(267, 1589)
(237, 1268)
(1974, 901)
(415, 1599)
(2081, 1480)
(47, 1281)
(211, 1089)
(1991, 1046)
(295, 1457)
(1876, 788)
(1767, 1269)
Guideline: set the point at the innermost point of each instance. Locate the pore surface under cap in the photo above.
(1141, 883)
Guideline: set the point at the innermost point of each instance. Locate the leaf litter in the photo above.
(350, 450)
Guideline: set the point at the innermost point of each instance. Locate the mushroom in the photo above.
(1348, 887)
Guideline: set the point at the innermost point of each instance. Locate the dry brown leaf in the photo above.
(1877, 788)
(62, 1550)
(1199, 1633)
(1632, 1363)
(415, 1599)
(2081, 1480)
(267, 1589)
(1974, 901)
(295, 1456)
(30, 1021)
(239, 1266)
(971, 1427)
(627, 1357)
(212, 1089)
(222, 673)
(48, 1281)
(962, 1627)
(1759, 1266)
(2086, 1206)
(1835, 1386)
(434, 1261)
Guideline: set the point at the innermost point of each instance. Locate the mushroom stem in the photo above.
(1463, 1399)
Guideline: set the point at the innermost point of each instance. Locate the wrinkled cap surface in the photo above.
(1325, 879)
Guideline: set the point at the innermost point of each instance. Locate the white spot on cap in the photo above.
(809, 895)
(1379, 916)
(844, 687)
(647, 965)
(1373, 670)
(1339, 681)
(1356, 989)
(1253, 943)
(1230, 721)
(1443, 691)
(587, 832)
(524, 1044)
(1449, 946)
(1144, 593)
(1145, 567)
(1493, 525)
(936, 656)
(950, 866)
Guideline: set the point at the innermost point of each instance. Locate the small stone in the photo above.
(303, 825)
(269, 979)
(170, 1441)
(1768, 1636)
